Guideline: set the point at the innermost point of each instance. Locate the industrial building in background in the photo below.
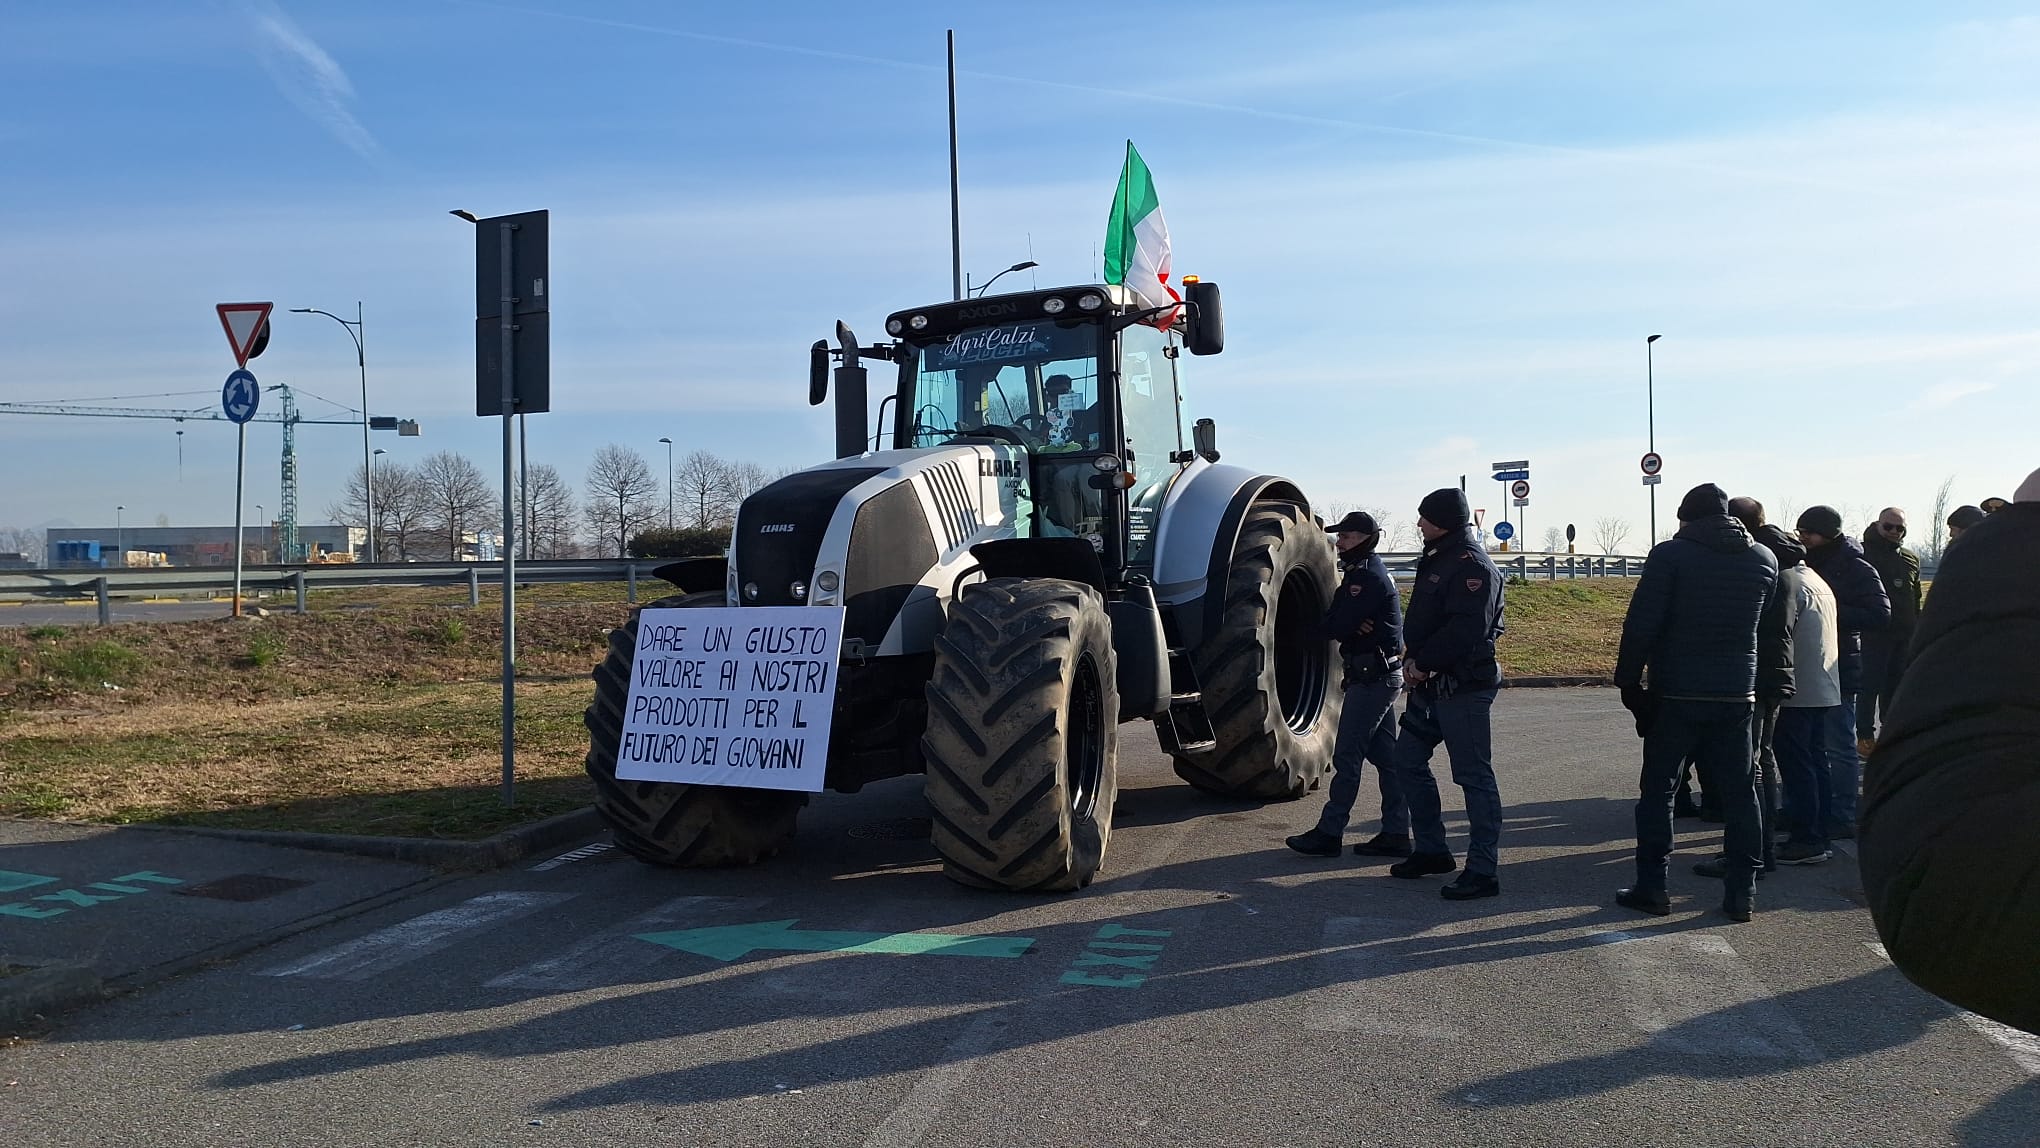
(76, 547)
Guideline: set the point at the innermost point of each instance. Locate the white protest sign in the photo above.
(731, 695)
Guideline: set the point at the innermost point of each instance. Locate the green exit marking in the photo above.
(11, 880)
(731, 942)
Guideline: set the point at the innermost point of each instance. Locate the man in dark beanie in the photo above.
(1449, 635)
(1693, 624)
(1862, 605)
(1962, 519)
(1365, 618)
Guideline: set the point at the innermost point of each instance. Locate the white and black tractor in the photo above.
(1048, 551)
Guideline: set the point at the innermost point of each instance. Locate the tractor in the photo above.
(1047, 551)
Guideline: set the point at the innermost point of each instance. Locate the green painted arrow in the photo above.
(729, 942)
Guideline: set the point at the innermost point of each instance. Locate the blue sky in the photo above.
(1443, 230)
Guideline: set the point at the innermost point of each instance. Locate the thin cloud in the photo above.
(307, 76)
(1941, 396)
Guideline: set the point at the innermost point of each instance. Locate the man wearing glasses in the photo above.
(1884, 650)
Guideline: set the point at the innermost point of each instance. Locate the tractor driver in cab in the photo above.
(1068, 499)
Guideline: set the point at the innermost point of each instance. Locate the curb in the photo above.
(43, 991)
(505, 848)
(1555, 681)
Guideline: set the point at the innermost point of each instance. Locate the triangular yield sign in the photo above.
(243, 323)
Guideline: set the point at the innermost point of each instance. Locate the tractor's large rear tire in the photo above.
(1270, 680)
(1023, 739)
(664, 822)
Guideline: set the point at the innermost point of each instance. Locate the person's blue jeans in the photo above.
(1845, 767)
(1717, 736)
(1366, 733)
(1461, 722)
(1801, 744)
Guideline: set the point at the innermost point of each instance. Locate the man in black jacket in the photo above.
(1863, 607)
(1449, 634)
(1951, 860)
(1884, 650)
(1365, 618)
(1693, 623)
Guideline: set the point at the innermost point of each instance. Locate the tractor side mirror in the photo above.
(818, 373)
(1205, 332)
(1204, 438)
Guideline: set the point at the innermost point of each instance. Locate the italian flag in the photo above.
(1137, 239)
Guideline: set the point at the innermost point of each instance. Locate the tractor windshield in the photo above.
(1035, 383)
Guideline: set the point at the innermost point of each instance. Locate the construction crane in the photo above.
(289, 416)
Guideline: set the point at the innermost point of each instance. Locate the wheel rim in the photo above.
(1084, 742)
(1302, 656)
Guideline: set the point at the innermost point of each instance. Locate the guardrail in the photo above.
(105, 585)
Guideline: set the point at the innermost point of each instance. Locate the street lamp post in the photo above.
(669, 482)
(1650, 414)
(264, 520)
(1022, 266)
(354, 331)
(120, 534)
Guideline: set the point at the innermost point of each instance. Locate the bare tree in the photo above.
(399, 509)
(1937, 531)
(1610, 533)
(23, 541)
(702, 485)
(1554, 540)
(623, 497)
(552, 508)
(744, 479)
(455, 500)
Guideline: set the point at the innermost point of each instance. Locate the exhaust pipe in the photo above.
(851, 397)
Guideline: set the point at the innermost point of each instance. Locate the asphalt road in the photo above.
(87, 613)
(1211, 989)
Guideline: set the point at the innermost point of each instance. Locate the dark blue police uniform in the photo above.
(1449, 633)
(1365, 618)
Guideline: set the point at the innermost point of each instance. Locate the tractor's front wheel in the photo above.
(1023, 738)
(1269, 680)
(668, 823)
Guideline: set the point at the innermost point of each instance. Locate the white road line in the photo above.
(2022, 1047)
(1362, 993)
(905, 1125)
(612, 955)
(909, 1122)
(406, 941)
(1693, 994)
(581, 854)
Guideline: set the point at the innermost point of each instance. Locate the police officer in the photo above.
(1365, 618)
(1449, 666)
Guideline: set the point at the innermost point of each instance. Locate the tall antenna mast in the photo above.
(955, 218)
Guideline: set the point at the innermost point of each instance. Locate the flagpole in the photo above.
(955, 217)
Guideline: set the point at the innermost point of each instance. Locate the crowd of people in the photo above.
(1770, 663)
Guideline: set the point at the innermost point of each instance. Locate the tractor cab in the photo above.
(1083, 379)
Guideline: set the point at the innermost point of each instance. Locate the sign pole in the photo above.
(508, 231)
(240, 475)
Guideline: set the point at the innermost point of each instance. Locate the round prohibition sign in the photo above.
(1653, 463)
(1520, 488)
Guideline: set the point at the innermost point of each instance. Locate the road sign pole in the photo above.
(240, 476)
(508, 231)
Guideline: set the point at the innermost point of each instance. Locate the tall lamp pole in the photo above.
(1008, 271)
(1650, 409)
(120, 534)
(354, 331)
(669, 482)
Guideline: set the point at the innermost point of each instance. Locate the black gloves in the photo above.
(1642, 704)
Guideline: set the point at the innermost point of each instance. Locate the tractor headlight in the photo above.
(1053, 305)
(1090, 302)
(918, 322)
(894, 326)
(750, 591)
(1105, 464)
(829, 582)
(798, 588)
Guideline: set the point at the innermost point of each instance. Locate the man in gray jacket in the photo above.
(1805, 720)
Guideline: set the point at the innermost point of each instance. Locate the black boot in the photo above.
(1652, 901)
(1738, 904)
(1384, 845)
(1423, 865)
(1469, 885)
(1314, 843)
